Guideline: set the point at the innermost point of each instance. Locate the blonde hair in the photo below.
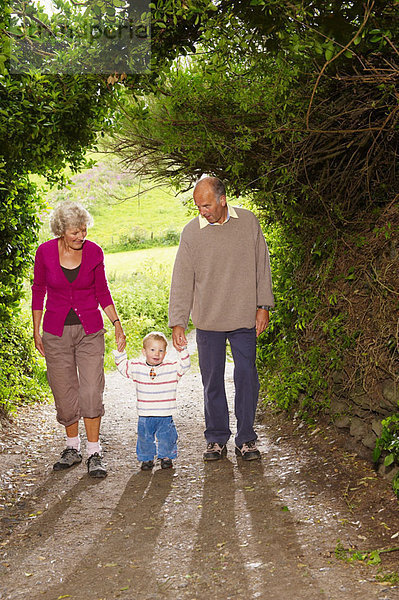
(67, 215)
(155, 336)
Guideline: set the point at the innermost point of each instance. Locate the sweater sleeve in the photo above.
(103, 294)
(39, 287)
(182, 287)
(125, 366)
(264, 291)
(183, 363)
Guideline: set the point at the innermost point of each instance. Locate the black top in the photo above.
(71, 274)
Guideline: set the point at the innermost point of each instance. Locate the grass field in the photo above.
(123, 264)
(121, 205)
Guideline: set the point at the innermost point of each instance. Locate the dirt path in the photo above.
(219, 531)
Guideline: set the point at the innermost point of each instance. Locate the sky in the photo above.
(50, 9)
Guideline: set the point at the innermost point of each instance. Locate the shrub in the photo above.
(304, 342)
(142, 303)
(22, 373)
(140, 239)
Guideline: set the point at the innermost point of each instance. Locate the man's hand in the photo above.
(262, 320)
(179, 337)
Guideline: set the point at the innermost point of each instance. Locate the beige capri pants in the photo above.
(75, 372)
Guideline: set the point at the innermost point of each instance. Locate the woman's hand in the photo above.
(37, 338)
(39, 343)
(120, 338)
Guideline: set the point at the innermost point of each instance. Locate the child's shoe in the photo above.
(166, 463)
(147, 465)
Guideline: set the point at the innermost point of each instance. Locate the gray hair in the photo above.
(218, 187)
(68, 215)
(216, 184)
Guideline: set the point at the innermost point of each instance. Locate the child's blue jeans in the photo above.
(156, 429)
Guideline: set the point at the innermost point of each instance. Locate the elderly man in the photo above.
(222, 277)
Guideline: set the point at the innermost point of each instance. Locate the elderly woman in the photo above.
(70, 270)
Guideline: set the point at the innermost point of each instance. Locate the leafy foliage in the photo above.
(370, 557)
(231, 116)
(142, 302)
(22, 378)
(121, 39)
(303, 344)
(18, 223)
(240, 108)
(45, 122)
(49, 121)
(388, 443)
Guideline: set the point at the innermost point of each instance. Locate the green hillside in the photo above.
(128, 213)
(121, 265)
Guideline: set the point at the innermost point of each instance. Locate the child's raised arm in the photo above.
(183, 363)
(122, 363)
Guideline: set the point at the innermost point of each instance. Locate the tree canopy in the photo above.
(296, 101)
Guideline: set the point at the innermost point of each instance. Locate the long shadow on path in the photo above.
(216, 548)
(273, 555)
(121, 560)
(246, 544)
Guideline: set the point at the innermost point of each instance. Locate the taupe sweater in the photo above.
(221, 274)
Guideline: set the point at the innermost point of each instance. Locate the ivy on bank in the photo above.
(305, 340)
(22, 379)
(388, 445)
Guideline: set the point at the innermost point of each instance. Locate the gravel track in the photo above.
(225, 530)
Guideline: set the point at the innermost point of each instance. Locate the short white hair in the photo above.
(67, 215)
(217, 185)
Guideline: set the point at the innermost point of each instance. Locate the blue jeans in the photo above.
(212, 359)
(156, 429)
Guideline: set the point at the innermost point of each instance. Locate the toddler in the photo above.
(156, 385)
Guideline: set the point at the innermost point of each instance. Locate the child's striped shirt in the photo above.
(156, 386)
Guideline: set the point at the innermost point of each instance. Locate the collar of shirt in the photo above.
(230, 213)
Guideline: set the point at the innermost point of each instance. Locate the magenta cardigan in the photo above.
(89, 289)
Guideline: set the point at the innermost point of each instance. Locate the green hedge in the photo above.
(22, 371)
(142, 303)
(304, 342)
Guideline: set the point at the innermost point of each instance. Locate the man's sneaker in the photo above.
(69, 457)
(95, 467)
(166, 463)
(248, 451)
(215, 451)
(147, 465)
